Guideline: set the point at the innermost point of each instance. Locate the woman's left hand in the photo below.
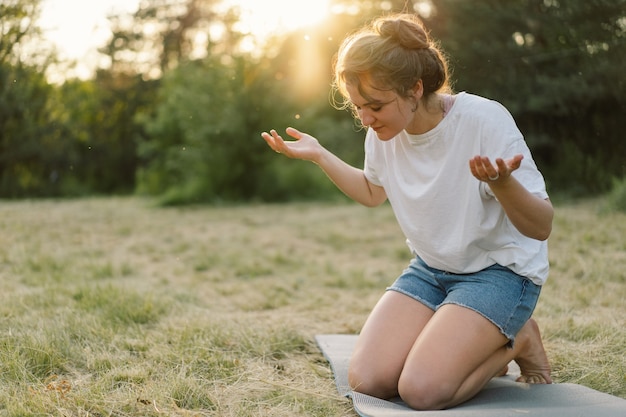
(531, 215)
(482, 168)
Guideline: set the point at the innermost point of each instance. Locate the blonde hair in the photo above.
(395, 52)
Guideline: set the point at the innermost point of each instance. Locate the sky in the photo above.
(78, 27)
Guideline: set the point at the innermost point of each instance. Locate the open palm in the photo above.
(303, 147)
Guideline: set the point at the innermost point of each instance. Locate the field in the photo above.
(114, 307)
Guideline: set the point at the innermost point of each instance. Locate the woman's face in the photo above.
(383, 111)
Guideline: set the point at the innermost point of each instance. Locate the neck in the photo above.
(427, 116)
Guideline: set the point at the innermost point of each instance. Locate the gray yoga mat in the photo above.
(502, 397)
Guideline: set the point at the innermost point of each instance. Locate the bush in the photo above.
(616, 200)
(205, 143)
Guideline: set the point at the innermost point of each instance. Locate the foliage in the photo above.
(73, 139)
(557, 66)
(521, 55)
(101, 120)
(201, 147)
(163, 34)
(26, 158)
(204, 133)
(616, 199)
(27, 153)
(17, 25)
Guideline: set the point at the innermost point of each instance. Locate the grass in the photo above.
(113, 307)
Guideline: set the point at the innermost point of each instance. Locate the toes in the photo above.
(532, 379)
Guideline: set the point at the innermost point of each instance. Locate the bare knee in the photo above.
(423, 393)
(369, 379)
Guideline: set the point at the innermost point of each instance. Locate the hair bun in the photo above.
(396, 52)
(407, 31)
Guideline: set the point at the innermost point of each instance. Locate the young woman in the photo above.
(472, 205)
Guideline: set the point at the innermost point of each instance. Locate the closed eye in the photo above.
(374, 106)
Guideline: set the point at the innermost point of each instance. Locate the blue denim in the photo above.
(500, 295)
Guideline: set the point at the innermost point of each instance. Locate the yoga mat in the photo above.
(501, 397)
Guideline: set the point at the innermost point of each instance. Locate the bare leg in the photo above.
(384, 343)
(458, 352)
(437, 360)
(528, 350)
(503, 371)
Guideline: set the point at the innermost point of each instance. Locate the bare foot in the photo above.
(532, 359)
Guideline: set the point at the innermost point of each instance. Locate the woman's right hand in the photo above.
(350, 180)
(303, 147)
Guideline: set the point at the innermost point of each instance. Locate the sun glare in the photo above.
(78, 27)
(262, 19)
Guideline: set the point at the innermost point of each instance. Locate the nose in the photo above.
(367, 119)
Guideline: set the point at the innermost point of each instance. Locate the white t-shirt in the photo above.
(450, 219)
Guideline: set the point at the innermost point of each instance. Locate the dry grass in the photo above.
(114, 307)
(583, 306)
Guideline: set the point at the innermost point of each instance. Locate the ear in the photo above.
(418, 90)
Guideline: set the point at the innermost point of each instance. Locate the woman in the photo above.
(474, 210)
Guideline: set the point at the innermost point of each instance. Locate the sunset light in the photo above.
(264, 18)
(77, 28)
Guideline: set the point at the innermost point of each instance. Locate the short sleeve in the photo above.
(503, 139)
(371, 158)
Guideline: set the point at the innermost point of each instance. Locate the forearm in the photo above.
(347, 178)
(350, 180)
(531, 215)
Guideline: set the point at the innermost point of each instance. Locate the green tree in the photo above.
(28, 151)
(98, 120)
(557, 65)
(201, 145)
(17, 19)
(162, 34)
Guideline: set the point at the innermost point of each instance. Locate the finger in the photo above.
(479, 168)
(502, 165)
(473, 164)
(481, 163)
(489, 168)
(268, 138)
(279, 143)
(516, 162)
(275, 135)
(294, 133)
(487, 163)
(478, 164)
(273, 140)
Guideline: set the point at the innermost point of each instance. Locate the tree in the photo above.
(202, 146)
(557, 66)
(162, 34)
(28, 152)
(17, 19)
(100, 126)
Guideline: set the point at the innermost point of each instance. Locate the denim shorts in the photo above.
(500, 295)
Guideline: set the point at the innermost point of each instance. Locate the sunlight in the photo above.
(263, 19)
(260, 21)
(77, 28)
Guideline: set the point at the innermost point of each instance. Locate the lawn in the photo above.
(115, 307)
